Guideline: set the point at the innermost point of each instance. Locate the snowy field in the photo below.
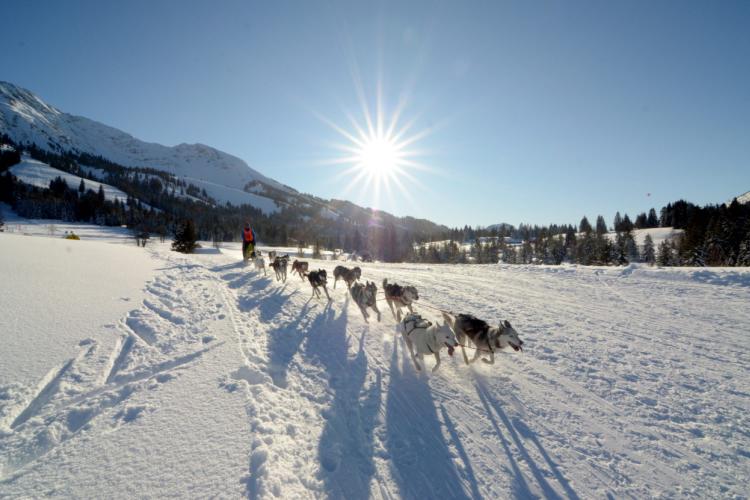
(141, 372)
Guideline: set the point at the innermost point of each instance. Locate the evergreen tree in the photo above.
(631, 249)
(584, 226)
(664, 256)
(618, 222)
(527, 253)
(556, 247)
(185, 240)
(652, 220)
(601, 226)
(618, 251)
(641, 222)
(743, 255)
(648, 255)
(100, 195)
(585, 249)
(81, 187)
(627, 224)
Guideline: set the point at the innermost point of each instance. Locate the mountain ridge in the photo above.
(27, 118)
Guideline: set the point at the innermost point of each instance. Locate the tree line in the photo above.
(713, 235)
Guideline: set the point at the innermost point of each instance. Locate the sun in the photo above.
(379, 149)
(380, 156)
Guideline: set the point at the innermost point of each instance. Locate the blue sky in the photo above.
(532, 112)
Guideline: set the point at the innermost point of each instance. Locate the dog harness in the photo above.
(418, 322)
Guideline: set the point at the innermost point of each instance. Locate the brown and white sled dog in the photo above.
(485, 338)
(398, 297)
(260, 262)
(318, 279)
(300, 267)
(365, 296)
(422, 337)
(348, 275)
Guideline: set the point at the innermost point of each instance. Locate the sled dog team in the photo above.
(421, 336)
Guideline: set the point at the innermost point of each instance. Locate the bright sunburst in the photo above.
(379, 153)
(380, 156)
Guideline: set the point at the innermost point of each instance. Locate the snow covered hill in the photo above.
(40, 174)
(658, 234)
(141, 372)
(743, 198)
(26, 118)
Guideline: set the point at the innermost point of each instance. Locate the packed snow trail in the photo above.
(221, 381)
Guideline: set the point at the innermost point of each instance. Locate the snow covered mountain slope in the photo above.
(212, 379)
(743, 198)
(40, 174)
(26, 118)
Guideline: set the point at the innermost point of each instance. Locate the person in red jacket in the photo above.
(248, 242)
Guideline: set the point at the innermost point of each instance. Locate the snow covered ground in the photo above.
(128, 371)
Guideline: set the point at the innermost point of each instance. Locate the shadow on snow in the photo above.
(420, 458)
(513, 429)
(346, 443)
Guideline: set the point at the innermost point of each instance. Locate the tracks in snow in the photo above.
(152, 344)
(374, 426)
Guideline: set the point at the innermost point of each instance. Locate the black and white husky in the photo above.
(318, 280)
(485, 338)
(422, 337)
(398, 297)
(365, 296)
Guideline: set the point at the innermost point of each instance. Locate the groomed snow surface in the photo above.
(141, 372)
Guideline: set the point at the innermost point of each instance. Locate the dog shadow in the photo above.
(346, 448)
(513, 428)
(456, 440)
(240, 279)
(413, 428)
(284, 342)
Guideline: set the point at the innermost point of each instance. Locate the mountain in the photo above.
(743, 198)
(27, 119)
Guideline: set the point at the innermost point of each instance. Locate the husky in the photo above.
(300, 268)
(399, 296)
(421, 337)
(272, 255)
(484, 337)
(279, 266)
(318, 280)
(365, 296)
(260, 262)
(348, 275)
(338, 272)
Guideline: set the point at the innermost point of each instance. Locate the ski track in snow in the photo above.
(632, 384)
